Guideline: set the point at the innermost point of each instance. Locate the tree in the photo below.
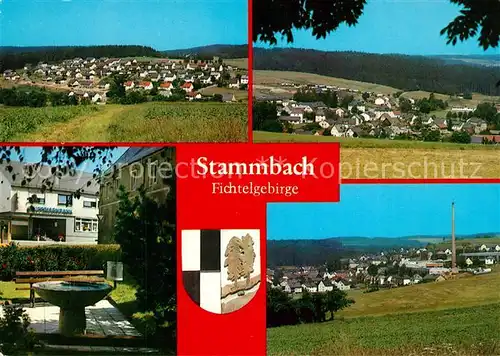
(281, 17)
(248, 256)
(337, 300)
(145, 230)
(460, 137)
(365, 96)
(234, 261)
(262, 112)
(405, 105)
(65, 160)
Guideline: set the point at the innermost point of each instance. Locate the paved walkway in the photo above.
(102, 319)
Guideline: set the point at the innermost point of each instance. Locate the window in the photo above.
(134, 179)
(39, 199)
(153, 173)
(89, 204)
(86, 225)
(66, 200)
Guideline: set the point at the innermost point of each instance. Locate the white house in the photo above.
(340, 285)
(325, 286)
(30, 214)
(379, 101)
(320, 116)
(244, 80)
(339, 112)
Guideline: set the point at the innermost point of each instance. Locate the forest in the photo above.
(398, 71)
(18, 57)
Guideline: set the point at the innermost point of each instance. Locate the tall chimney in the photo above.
(453, 242)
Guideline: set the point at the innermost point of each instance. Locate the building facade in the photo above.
(29, 213)
(147, 167)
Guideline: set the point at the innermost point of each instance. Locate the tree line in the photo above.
(399, 71)
(15, 58)
(38, 97)
(282, 309)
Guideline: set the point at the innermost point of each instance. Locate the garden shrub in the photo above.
(15, 258)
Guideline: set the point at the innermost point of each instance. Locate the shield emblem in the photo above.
(221, 268)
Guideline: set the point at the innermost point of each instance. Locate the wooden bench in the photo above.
(67, 276)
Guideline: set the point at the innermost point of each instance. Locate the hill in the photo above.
(208, 52)
(408, 73)
(18, 57)
(303, 252)
(457, 316)
(491, 60)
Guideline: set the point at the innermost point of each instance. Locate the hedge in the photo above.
(15, 258)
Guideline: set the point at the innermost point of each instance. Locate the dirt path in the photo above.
(87, 128)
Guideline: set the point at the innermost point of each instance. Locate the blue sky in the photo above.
(33, 155)
(394, 26)
(390, 211)
(162, 24)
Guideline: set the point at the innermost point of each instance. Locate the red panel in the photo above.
(242, 332)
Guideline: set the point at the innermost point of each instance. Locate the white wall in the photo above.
(5, 196)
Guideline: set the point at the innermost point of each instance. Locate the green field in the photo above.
(398, 159)
(238, 94)
(154, 122)
(275, 78)
(241, 63)
(468, 242)
(261, 136)
(454, 317)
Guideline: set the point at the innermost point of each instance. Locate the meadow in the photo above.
(400, 159)
(459, 317)
(154, 122)
(275, 78)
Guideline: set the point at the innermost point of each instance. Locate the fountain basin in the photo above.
(72, 298)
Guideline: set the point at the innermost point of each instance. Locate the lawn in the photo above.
(457, 331)
(474, 242)
(460, 317)
(238, 94)
(377, 158)
(154, 122)
(272, 77)
(241, 63)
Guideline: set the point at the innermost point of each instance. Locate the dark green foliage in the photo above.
(26, 96)
(54, 258)
(398, 71)
(15, 337)
(282, 309)
(145, 230)
(488, 113)
(14, 58)
(281, 17)
(427, 105)
(460, 137)
(476, 17)
(265, 117)
(207, 53)
(329, 98)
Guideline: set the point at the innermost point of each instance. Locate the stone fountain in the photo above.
(72, 298)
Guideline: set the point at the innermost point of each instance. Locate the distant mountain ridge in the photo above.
(408, 73)
(299, 252)
(17, 57)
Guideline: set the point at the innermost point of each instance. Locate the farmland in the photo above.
(375, 158)
(154, 121)
(458, 317)
(269, 79)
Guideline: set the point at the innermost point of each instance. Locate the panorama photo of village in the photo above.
(389, 270)
(386, 87)
(77, 229)
(135, 74)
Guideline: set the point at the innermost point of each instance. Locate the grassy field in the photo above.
(269, 77)
(237, 62)
(459, 317)
(376, 158)
(266, 77)
(467, 242)
(155, 122)
(238, 94)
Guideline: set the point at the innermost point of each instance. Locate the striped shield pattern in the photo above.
(221, 268)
